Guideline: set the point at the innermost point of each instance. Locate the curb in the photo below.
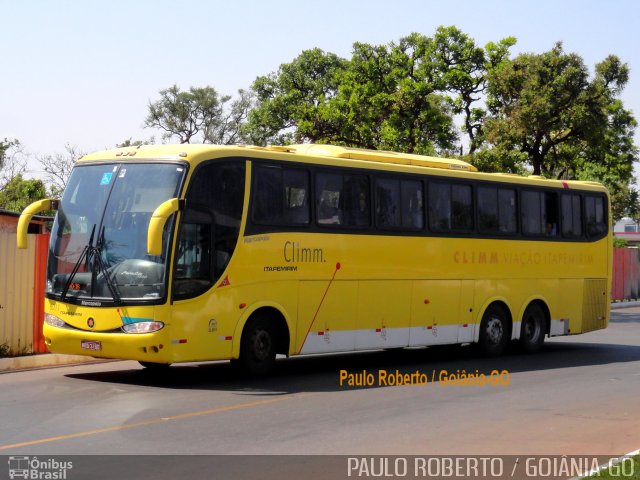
(618, 305)
(30, 362)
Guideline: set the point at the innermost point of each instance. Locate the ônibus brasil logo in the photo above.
(37, 469)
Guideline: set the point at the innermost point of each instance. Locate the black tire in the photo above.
(532, 329)
(155, 367)
(494, 331)
(258, 346)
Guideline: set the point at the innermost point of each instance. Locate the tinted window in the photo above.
(209, 227)
(388, 203)
(571, 208)
(539, 213)
(497, 210)
(399, 204)
(412, 204)
(281, 196)
(450, 207)
(342, 199)
(596, 217)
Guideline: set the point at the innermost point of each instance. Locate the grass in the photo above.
(627, 470)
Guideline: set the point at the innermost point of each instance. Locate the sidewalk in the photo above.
(45, 360)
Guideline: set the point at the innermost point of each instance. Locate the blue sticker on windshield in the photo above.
(106, 178)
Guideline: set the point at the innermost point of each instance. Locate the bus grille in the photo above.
(594, 305)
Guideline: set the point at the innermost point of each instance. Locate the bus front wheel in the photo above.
(494, 331)
(258, 346)
(532, 329)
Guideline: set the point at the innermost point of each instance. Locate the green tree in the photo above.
(376, 100)
(294, 104)
(199, 114)
(547, 107)
(390, 100)
(18, 193)
(398, 96)
(462, 68)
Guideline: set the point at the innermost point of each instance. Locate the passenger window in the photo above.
(412, 204)
(342, 199)
(399, 204)
(281, 196)
(571, 215)
(539, 213)
(450, 207)
(388, 203)
(596, 216)
(497, 210)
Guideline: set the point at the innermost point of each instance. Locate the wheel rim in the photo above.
(261, 345)
(495, 330)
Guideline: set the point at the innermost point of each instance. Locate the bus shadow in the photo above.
(322, 373)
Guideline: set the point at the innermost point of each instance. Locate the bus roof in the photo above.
(335, 155)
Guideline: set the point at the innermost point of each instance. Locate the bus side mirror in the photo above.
(27, 214)
(157, 222)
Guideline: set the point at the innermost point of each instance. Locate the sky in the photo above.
(83, 72)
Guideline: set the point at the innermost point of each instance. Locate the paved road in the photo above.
(579, 396)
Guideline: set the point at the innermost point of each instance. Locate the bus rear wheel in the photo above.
(532, 329)
(494, 331)
(258, 346)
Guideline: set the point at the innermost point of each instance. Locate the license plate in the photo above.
(91, 345)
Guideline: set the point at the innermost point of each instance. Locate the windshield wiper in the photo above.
(93, 256)
(76, 267)
(97, 258)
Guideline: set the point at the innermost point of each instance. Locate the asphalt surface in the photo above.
(580, 396)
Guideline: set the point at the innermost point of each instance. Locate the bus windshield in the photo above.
(99, 237)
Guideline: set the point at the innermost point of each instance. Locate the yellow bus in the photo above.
(182, 253)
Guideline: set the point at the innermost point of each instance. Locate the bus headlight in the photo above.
(142, 327)
(53, 321)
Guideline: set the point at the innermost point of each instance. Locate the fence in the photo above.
(626, 274)
(22, 281)
(23, 277)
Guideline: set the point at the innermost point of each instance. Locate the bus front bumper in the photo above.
(144, 347)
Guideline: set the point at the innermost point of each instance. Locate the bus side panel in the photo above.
(567, 317)
(327, 313)
(595, 303)
(435, 312)
(466, 328)
(383, 314)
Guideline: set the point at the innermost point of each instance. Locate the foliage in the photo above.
(568, 124)
(129, 142)
(463, 68)
(620, 242)
(18, 193)
(58, 167)
(292, 105)
(12, 160)
(547, 107)
(399, 96)
(200, 114)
